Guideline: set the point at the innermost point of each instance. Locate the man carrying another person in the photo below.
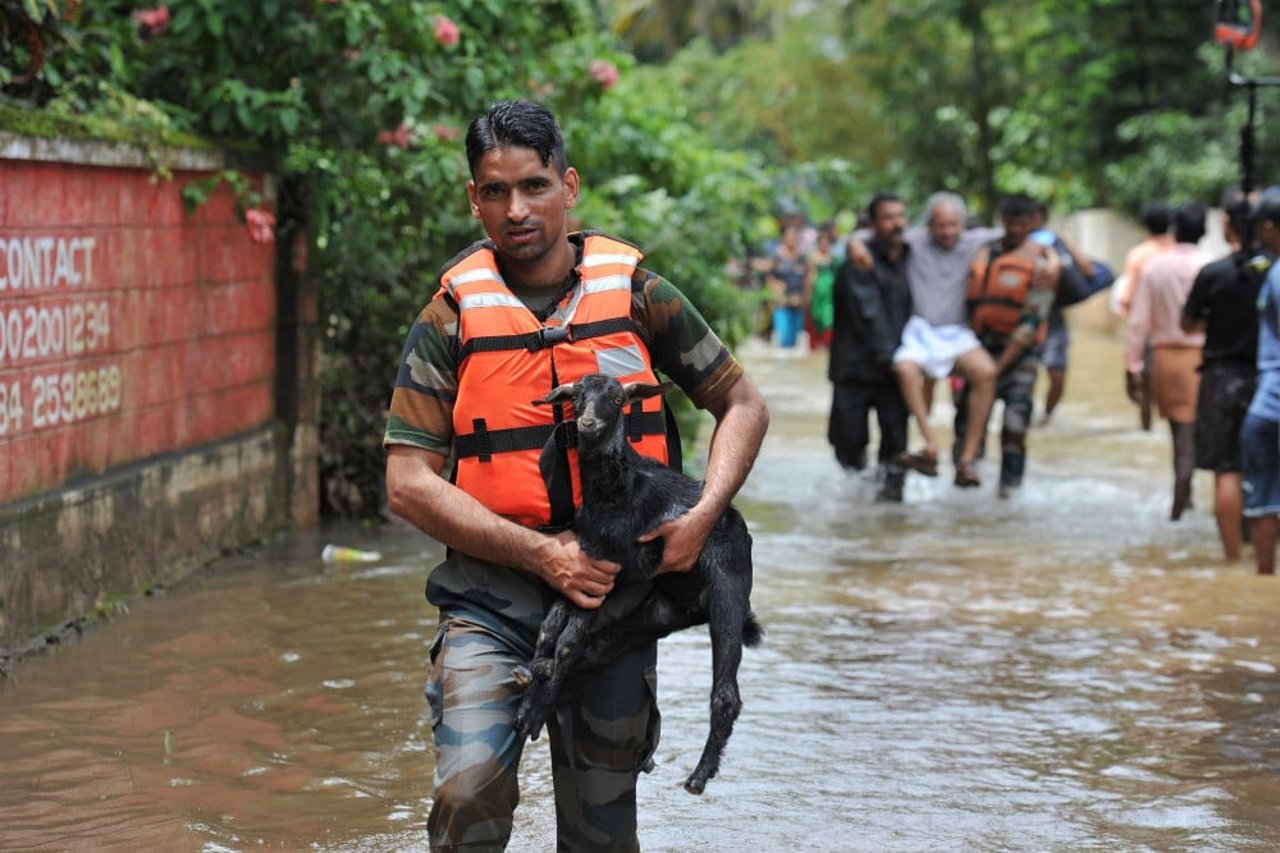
(1012, 287)
(871, 307)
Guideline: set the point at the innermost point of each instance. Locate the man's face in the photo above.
(1017, 228)
(890, 222)
(945, 226)
(1268, 234)
(522, 203)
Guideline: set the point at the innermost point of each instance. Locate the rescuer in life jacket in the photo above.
(528, 309)
(1011, 289)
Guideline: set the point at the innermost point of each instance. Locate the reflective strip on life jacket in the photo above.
(517, 458)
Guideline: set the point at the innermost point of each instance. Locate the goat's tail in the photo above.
(752, 633)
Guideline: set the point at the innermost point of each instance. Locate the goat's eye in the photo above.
(616, 399)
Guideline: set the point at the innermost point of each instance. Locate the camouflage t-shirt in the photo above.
(683, 348)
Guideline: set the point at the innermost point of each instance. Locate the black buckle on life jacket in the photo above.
(634, 423)
(548, 336)
(565, 435)
(484, 447)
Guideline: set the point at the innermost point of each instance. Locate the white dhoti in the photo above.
(934, 348)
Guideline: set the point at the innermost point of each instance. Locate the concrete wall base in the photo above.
(73, 554)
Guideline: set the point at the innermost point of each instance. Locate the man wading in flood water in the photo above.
(533, 307)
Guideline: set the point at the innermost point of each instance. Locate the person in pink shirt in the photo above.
(1156, 218)
(1155, 316)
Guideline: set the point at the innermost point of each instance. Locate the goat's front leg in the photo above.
(539, 669)
(534, 677)
(549, 674)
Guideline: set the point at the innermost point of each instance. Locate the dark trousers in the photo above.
(849, 428)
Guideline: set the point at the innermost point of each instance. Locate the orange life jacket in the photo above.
(508, 358)
(999, 283)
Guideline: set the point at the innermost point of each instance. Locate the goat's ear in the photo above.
(643, 390)
(557, 395)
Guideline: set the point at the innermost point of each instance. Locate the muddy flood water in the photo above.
(1062, 670)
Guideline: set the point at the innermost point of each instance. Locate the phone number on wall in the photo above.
(58, 399)
(74, 328)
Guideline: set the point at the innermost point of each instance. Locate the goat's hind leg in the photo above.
(727, 617)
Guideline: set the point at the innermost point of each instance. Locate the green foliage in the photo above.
(659, 181)
(196, 193)
(1079, 102)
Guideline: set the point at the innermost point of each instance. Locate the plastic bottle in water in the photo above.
(343, 554)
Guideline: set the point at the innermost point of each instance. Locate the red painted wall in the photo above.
(128, 327)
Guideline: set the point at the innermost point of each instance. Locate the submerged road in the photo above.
(1062, 670)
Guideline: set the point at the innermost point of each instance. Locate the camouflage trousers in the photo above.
(603, 734)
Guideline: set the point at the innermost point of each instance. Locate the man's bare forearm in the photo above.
(735, 444)
(426, 500)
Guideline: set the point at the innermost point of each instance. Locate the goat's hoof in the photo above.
(695, 786)
(528, 725)
(522, 675)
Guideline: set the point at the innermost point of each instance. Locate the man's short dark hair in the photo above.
(879, 199)
(1236, 208)
(1019, 204)
(1268, 207)
(1156, 217)
(1188, 222)
(516, 124)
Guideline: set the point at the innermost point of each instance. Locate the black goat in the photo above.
(625, 495)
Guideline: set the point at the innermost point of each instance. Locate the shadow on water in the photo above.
(1060, 670)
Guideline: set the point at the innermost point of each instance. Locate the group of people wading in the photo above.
(982, 308)
(945, 302)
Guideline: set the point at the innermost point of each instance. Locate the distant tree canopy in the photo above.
(1079, 102)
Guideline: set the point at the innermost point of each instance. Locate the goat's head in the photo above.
(599, 400)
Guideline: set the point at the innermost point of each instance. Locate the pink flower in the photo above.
(445, 132)
(541, 90)
(261, 225)
(603, 72)
(154, 21)
(447, 32)
(398, 137)
(352, 55)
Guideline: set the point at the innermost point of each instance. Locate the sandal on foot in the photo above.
(922, 462)
(966, 477)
